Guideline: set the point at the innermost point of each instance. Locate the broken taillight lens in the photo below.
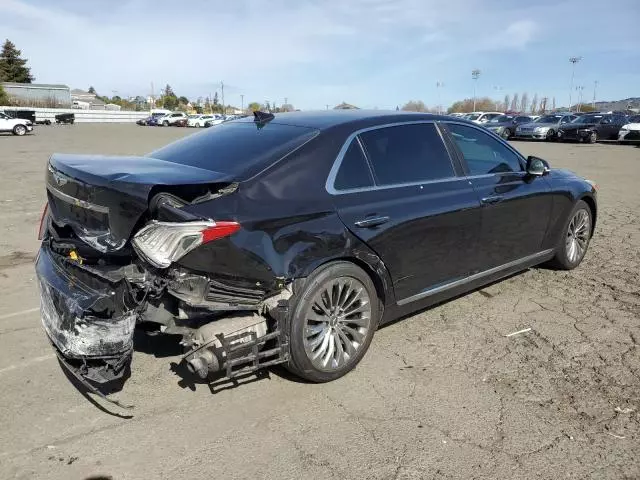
(43, 221)
(162, 243)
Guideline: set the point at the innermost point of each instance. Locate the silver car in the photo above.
(545, 127)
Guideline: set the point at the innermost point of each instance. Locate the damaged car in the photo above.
(289, 239)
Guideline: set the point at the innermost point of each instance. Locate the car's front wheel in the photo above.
(197, 125)
(333, 321)
(19, 130)
(593, 138)
(165, 124)
(575, 238)
(551, 135)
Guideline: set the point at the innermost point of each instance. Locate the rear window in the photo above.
(241, 148)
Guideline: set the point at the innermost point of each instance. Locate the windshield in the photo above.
(474, 116)
(501, 119)
(242, 148)
(2, 115)
(588, 119)
(194, 116)
(549, 119)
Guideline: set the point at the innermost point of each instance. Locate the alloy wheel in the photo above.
(578, 236)
(337, 323)
(20, 130)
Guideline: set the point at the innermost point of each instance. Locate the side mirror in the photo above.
(537, 167)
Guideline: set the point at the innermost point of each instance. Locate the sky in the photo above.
(371, 53)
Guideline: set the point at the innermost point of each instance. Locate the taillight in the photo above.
(43, 221)
(162, 243)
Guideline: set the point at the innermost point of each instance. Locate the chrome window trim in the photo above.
(476, 276)
(329, 185)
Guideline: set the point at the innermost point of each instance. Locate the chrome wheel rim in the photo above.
(578, 236)
(20, 130)
(337, 323)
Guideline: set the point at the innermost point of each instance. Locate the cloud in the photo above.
(521, 33)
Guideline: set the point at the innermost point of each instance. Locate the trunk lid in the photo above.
(102, 198)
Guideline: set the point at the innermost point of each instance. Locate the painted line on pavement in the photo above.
(21, 312)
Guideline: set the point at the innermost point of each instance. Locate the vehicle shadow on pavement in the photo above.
(156, 344)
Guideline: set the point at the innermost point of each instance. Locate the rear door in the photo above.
(515, 206)
(397, 189)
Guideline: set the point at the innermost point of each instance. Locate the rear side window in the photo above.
(407, 154)
(354, 171)
(482, 152)
(241, 148)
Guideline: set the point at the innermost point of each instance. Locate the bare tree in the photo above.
(507, 100)
(534, 103)
(543, 105)
(524, 102)
(553, 103)
(414, 106)
(514, 102)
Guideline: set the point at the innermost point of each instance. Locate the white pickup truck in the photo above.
(17, 126)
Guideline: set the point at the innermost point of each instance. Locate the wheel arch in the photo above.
(590, 201)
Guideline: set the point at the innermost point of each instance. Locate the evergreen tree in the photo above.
(12, 67)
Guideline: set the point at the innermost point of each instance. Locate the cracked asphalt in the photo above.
(442, 394)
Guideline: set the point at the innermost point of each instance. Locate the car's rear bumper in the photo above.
(85, 316)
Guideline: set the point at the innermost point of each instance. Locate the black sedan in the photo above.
(291, 238)
(505, 125)
(593, 127)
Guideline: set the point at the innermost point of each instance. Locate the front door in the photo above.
(516, 207)
(396, 189)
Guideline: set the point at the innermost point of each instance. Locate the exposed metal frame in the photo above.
(76, 201)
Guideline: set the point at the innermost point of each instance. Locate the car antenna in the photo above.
(262, 117)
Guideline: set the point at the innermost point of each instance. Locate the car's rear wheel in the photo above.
(19, 130)
(333, 321)
(575, 238)
(593, 138)
(506, 134)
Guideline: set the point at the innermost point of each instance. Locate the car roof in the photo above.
(323, 119)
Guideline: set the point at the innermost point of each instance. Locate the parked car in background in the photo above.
(17, 126)
(217, 120)
(143, 121)
(211, 244)
(593, 127)
(482, 117)
(545, 127)
(170, 119)
(65, 118)
(457, 114)
(199, 120)
(181, 122)
(505, 125)
(630, 132)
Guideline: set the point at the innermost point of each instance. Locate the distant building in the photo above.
(37, 94)
(345, 106)
(85, 100)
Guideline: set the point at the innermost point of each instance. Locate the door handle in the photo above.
(491, 200)
(371, 222)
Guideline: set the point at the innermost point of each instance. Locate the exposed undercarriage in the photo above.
(91, 307)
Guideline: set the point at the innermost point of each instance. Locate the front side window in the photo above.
(354, 171)
(483, 153)
(407, 154)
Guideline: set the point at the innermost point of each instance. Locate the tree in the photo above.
(215, 98)
(267, 106)
(287, 107)
(4, 98)
(168, 91)
(507, 101)
(543, 105)
(514, 102)
(254, 107)
(466, 105)
(12, 67)
(414, 106)
(183, 100)
(524, 102)
(534, 103)
(92, 90)
(553, 103)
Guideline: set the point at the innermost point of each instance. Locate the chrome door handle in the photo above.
(491, 200)
(371, 222)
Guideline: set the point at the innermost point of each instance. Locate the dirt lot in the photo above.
(443, 394)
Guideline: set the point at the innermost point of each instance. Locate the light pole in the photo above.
(439, 85)
(573, 61)
(475, 74)
(595, 86)
(498, 89)
(579, 89)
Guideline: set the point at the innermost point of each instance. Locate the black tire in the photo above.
(593, 138)
(19, 130)
(47, 122)
(551, 135)
(165, 123)
(506, 133)
(563, 259)
(304, 306)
